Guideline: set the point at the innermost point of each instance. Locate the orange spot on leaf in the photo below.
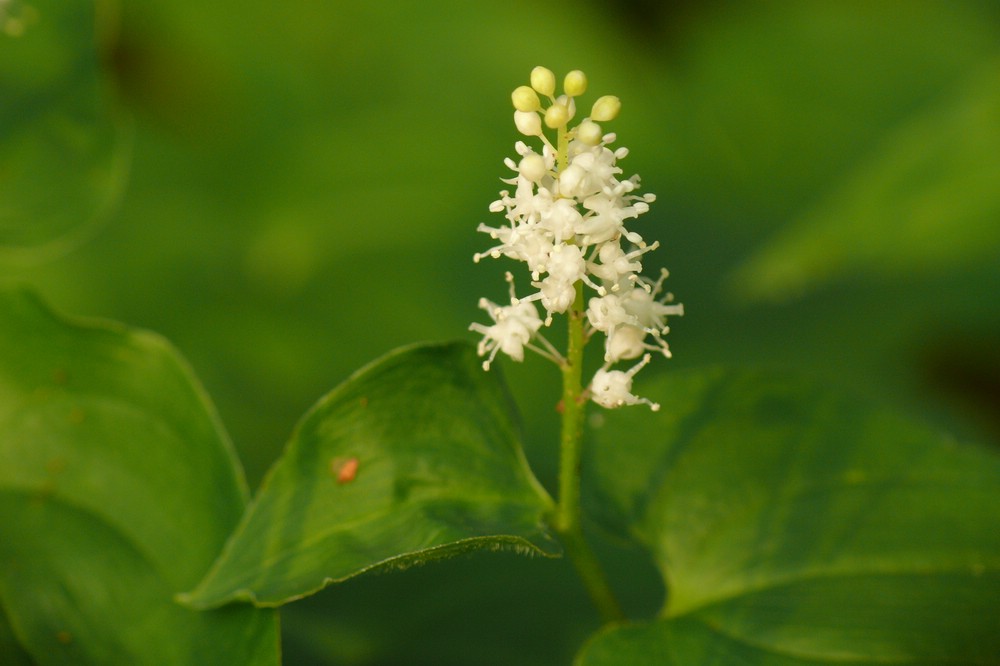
(344, 470)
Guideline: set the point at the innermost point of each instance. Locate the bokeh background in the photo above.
(288, 190)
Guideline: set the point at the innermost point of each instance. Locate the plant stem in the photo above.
(567, 519)
(562, 150)
(572, 419)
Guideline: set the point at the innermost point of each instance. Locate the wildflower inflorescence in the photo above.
(566, 221)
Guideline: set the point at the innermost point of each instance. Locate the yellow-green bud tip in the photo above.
(543, 81)
(606, 108)
(525, 99)
(556, 115)
(589, 133)
(575, 83)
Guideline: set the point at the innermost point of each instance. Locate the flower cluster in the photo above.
(566, 220)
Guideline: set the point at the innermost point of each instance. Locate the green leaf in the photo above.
(13, 653)
(64, 150)
(415, 457)
(925, 202)
(793, 525)
(118, 487)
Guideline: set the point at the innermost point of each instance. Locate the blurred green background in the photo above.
(288, 190)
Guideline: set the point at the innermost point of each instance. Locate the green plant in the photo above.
(789, 522)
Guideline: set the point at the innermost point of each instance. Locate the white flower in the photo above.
(651, 312)
(566, 220)
(606, 313)
(625, 342)
(613, 388)
(556, 295)
(514, 326)
(617, 265)
(562, 221)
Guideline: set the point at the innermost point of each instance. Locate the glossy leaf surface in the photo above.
(925, 202)
(416, 457)
(794, 526)
(117, 489)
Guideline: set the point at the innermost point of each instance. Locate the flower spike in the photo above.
(565, 217)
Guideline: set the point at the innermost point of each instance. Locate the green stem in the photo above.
(562, 149)
(573, 409)
(567, 519)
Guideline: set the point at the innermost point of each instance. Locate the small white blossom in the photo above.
(613, 388)
(625, 342)
(606, 313)
(617, 265)
(651, 313)
(514, 326)
(566, 219)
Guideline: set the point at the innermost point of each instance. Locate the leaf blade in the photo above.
(437, 469)
(66, 148)
(802, 526)
(118, 488)
(925, 203)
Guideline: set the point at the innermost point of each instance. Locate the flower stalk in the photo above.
(567, 520)
(573, 410)
(566, 220)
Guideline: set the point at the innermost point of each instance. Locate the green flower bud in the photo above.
(543, 81)
(606, 108)
(525, 99)
(575, 83)
(556, 115)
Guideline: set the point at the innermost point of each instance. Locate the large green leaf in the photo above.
(118, 487)
(415, 457)
(64, 152)
(925, 201)
(796, 526)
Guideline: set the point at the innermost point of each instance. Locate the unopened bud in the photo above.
(525, 99)
(606, 108)
(556, 115)
(588, 132)
(543, 81)
(528, 123)
(532, 167)
(575, 83)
